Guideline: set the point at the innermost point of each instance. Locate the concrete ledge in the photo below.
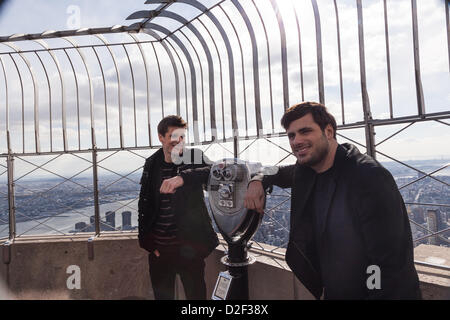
(118, 269)
(434, 281)
(38, 268)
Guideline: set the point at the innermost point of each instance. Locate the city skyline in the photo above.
(71, 206)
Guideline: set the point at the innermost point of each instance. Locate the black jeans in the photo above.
(163, 270)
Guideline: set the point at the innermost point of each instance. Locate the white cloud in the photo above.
(16, 19)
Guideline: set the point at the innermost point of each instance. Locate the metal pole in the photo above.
(238, 268)
(320, 78)
(11, 196)
(256, 84)
(419, 89)
(388, 58)
(341, 85)
(284, 55)
(96, 193)
(370, 133)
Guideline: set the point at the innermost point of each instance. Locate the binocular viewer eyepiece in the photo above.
(227, 187)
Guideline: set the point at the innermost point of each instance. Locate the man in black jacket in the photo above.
(350, 236)
(174, 227)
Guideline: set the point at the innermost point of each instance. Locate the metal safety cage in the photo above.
(230, 68)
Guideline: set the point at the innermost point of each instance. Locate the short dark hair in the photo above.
(171, 121)
(318, 111)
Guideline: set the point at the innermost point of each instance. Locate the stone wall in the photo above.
(116, 268)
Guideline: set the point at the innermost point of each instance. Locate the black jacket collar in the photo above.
(158, 155)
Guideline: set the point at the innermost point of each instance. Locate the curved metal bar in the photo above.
(44, 45)
(319, 51)
(201, 81)
(419, 89)
(212, 103)
(257, 95)
(49, 98)
(36, 96)
(447, 22)
(242, 67)
(202, 8)
(193, 75)
(119, 95)
(214, 132)
(93, 138)
(175, 70)
(104, 95)
(91, 91)
(134, 94)
(388, 58)
(284, 62)
(160, 80)
(67, 33)
(78, 97)
(370, 141)
(185, 87)
(338, 35)
(269, 67)
(23, 101)
(8, 142)
(185, 80)
(300, 55)
(147, 86)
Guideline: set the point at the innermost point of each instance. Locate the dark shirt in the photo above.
(319, 207)
(165, 229)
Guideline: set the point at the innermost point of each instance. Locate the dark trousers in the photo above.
(163, 271)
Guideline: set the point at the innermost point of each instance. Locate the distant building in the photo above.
(109, 224)
(435, 224)
(110, 217)
(80, 227)
(126, 220)
(418, 215)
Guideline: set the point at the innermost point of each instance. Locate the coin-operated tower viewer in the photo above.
(227, 186)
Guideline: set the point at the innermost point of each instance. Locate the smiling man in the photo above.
(174, 227)
(350, 236)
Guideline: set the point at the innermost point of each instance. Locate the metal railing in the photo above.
(230, 68)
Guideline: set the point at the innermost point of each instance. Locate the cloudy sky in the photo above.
(420, 141)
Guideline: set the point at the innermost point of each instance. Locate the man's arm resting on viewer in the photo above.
(255, 196)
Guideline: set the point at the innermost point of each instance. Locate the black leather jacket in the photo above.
(366, 224)
(195, 229)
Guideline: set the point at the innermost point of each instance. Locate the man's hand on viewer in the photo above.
(254, 198)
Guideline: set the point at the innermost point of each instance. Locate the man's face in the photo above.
(309, 143)
(173, 140)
